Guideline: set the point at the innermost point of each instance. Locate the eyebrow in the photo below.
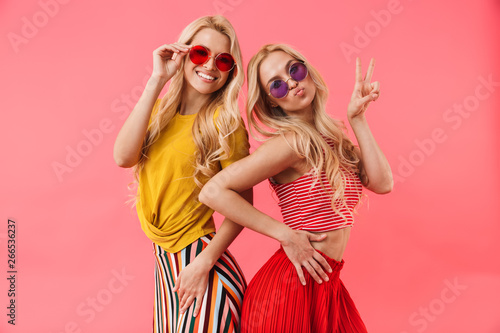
(205, 47)
(277, 76)
(210, 50)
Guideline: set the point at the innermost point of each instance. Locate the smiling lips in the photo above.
(206, 76)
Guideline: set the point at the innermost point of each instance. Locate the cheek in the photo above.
(311, 85)
(310, 82)
(188, 65)
(188, 69)
(313, 90)
(224, 77)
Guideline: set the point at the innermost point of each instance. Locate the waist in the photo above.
(175, 231)
(317, 221)
(334, 244)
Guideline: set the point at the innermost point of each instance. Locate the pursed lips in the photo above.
(298, 90)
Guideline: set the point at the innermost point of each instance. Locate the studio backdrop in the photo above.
(423, 258)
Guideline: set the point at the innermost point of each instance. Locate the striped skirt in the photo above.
(221, 308)
(276, 301)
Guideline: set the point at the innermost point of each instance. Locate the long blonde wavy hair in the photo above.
(307, 140)
(211, 138)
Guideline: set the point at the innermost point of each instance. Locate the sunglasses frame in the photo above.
(210, 56)
(289, 77)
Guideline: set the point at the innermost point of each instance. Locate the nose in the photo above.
(292, 83)
(210, 64)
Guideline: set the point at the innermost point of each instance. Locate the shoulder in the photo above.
(227, 121)
(279, 148)
(273, 157)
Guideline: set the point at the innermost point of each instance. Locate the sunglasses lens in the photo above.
(198, 55)
(298, 71)
(224, 62)
(278, 89)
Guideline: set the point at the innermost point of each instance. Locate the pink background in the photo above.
(423, 258)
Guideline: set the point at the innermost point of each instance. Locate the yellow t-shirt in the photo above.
(169, 214)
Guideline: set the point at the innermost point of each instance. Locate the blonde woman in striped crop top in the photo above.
(317, 174)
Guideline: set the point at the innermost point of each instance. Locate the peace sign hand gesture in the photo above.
(364, 91)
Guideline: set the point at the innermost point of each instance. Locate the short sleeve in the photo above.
(238, 141)
(155, 110)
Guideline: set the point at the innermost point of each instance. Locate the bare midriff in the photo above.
(334, 244)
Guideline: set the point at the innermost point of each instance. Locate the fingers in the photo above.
(183, 50)
(186, 303)
(180, 293)
(175, 46)
(187, 297)
(316, 237)
(358, 70)
(187, 300)
(197, 307)
(316, 267)
(375, 88)
(167, 59)
(185, 46)
(300, 273)
(164, 50)
(177, 283)
(367, 99)
(322, 261)
(312, 268)
(318, 263)
(168, 50)
(180, 48)
(369, 72)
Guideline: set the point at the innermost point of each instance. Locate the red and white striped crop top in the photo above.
(306, 208)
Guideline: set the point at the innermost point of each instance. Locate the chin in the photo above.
(204, 88)
(303, 104)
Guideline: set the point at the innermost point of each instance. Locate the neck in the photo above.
(192, 101)
(306, 115)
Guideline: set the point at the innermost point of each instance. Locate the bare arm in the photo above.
(377, 174)
(193, 279)
(224, 188)
(375, 166)
(128, 143)
(222, 193)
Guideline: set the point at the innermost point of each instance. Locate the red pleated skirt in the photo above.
(276, 302)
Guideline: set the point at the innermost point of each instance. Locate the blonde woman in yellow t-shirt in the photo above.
(176, 144)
